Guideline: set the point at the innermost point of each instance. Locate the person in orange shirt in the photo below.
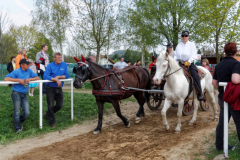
(21, 55)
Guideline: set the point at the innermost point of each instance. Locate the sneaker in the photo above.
(229, 148)
(45, 115)
(19, 130)
(53, 125)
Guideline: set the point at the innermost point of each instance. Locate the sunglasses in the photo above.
(184, 35)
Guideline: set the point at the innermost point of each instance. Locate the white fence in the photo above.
(225, 146)
(40, 95)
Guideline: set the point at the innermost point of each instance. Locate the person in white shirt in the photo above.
(186, 51)
(170, 50)
(120, 64)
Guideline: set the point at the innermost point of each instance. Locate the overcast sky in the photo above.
(18, 10)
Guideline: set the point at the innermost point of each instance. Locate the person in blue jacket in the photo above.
(55, 71)
(23, 75)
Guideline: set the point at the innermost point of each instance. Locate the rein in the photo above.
(105, 75)
(165, 76)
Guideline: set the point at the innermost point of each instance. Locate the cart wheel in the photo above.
(187, 108)
(155, 100)
(204, 105)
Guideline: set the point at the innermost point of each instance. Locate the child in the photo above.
(205, 63)
(32, 85)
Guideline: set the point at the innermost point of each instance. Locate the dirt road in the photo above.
(146, 140)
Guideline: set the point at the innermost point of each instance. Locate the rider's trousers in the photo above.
(194, 73)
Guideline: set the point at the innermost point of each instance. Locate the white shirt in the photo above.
(186, 52)
(121, 65)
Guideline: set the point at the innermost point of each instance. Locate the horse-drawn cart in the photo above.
(157, 96)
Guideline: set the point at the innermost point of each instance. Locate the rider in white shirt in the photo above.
(186, 51)
(120, 64)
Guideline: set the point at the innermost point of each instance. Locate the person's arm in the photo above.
(8, 67)
(17, 61)
(115, 65)
(193, 55)
(38, 56)
(215, 83)
(236, 78)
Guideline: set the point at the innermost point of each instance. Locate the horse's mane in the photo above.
(173, 64)
(90, 61)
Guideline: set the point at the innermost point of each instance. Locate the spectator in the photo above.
(11, 66)
(138, 63)
(128, 63)
(205, 63)
(55, 71)
(152, 66)
(19, 98)
(42, 60)
(170, 50)
(120, 64)
(227, 70)
(21, 55)
(32, 85)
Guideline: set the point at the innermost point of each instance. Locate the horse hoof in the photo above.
(137, 120)
(177, 132)
(128, 125)
(190, 124)
(96, 132)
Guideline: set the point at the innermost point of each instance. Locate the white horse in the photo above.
(176, 88)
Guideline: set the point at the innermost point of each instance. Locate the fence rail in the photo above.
(40, 95)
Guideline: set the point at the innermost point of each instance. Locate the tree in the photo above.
(217, 22)
(165, 18)
(37, 46)
(25, 35)
(96, 23)
(53, 17)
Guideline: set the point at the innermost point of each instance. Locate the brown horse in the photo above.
(108, 86)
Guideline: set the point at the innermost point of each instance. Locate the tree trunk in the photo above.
(61, 49)
(217, 55)
(98, 54)
(143, 54)
(175, 32)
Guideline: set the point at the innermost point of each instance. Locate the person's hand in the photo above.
(21, 81)
(187, 63)
(59, 83)
(27, 80)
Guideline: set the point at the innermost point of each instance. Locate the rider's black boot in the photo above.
(200, 97)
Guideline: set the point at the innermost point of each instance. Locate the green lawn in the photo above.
(85, 108)
(211, 152)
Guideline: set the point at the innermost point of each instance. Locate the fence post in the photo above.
(225, 128)
(40, 104)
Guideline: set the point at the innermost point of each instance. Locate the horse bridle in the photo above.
(164, 76)
(87, 67)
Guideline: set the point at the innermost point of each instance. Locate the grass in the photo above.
(211, 152)
(85, 108)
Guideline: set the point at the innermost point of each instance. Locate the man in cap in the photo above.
(186, 51)
(23, 75)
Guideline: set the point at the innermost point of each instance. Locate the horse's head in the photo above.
(161, 67)
(81, 71)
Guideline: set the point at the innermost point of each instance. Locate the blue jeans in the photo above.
(219, 130)
(19, 100)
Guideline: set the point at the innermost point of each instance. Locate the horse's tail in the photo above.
(148, 87)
